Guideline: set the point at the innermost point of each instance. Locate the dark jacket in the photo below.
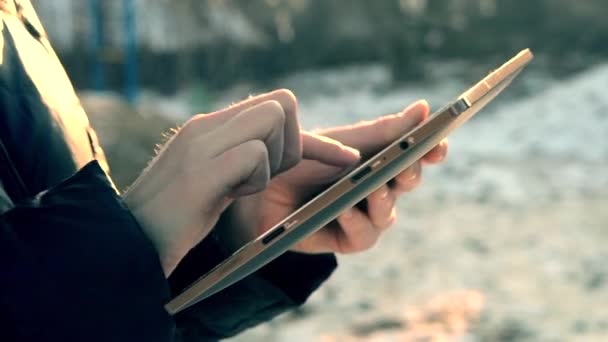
(74, 263)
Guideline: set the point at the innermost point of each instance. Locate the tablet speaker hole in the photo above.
(361, 174)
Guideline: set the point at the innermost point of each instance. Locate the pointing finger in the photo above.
(263, 122)
(243, 169)
(292, 141)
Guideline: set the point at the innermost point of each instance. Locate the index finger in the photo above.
(292, 142)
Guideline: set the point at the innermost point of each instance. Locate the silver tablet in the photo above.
(352, 188)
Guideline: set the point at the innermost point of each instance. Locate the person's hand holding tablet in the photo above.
(356, 229)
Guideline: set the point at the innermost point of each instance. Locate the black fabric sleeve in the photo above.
(77, 267)
(283, 284)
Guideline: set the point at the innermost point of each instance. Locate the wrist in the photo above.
(168, 255)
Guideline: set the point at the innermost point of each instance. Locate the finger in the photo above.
(381, 208)
(241, 170)
(356, 233)
(263, 122)
(371, 136)
(328, 151)
(407, 180)
(437, 154)
(292, 141)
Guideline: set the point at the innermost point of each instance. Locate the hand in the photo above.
(356, 229)
(214, 159)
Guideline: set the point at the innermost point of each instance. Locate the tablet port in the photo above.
(272, 235)
(404, 145)
(361, 174)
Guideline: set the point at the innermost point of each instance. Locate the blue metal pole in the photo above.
(131, 66)
(97, 41)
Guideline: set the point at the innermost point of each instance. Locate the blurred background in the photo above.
(506, 241)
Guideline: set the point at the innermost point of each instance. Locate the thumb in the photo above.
(370, 137)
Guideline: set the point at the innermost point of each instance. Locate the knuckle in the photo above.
(256, 168)
(257, 149)
(259, 183)
(287, 99)
(364, 241)
(404, 180)
(407, 183)
(292, 157)
(389, 204)
(190, 128)
(275, 112)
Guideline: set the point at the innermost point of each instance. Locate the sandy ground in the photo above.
(506, 241)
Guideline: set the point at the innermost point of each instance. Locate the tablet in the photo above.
(353, 187)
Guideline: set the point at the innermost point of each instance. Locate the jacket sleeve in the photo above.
(77, 267)
(283, 284)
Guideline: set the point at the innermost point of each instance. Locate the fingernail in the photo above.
(418, 105)
(423, 103)
(417, 110)
(413, 176)
(353, 151)
(384, 193)
(393, 215)
(423, 107)
(417, 170)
